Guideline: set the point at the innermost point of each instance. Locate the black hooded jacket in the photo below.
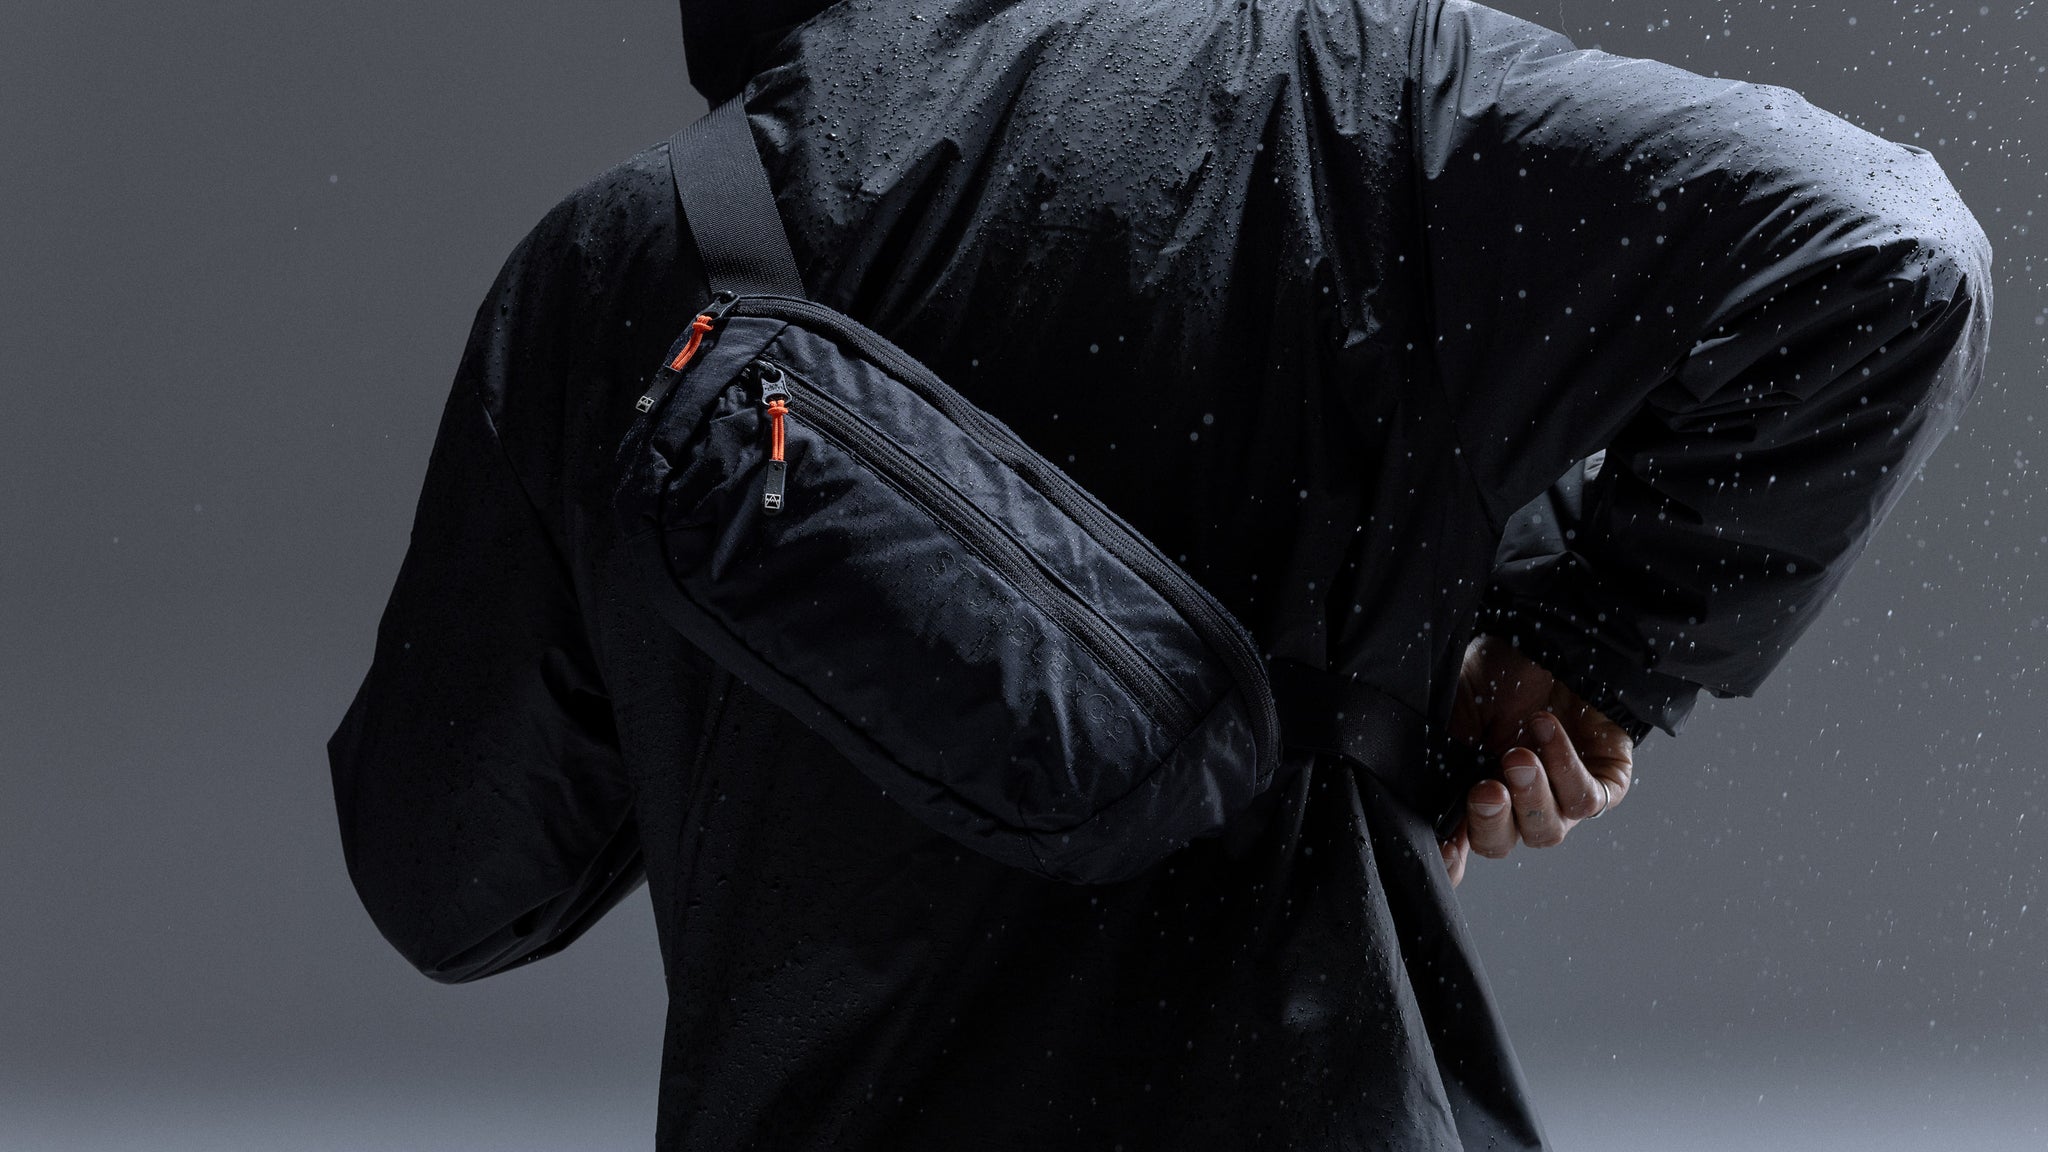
(1325, 298)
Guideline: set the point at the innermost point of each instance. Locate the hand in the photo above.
(1554, 749)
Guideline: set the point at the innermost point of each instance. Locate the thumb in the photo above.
(1456, 851)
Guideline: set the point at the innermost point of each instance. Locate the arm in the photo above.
(1536, 555)
(1762, 317)
(485, 816)
(1765, 316)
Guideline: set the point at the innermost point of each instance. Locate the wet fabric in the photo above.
(988, 645)
(1336, 303)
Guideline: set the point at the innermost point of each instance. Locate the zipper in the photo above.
(700, 327)
(775, 398)
(1222, 631)
(1219, 629)
(832, 418)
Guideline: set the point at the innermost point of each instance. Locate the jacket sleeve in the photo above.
(485, 816)
(1761, 317)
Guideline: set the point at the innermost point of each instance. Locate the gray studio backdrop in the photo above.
(240, 245)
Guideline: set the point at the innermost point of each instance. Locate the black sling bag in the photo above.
(997, 650)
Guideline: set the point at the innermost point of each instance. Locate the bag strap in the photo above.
(729, 207)
(1344, 716)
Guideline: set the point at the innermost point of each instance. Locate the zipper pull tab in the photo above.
(775, 398)
(700, 327)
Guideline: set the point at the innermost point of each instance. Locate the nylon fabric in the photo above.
(924, 658)
(1286, 286)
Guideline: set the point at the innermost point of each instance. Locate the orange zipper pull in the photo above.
(698, 328)
(774, 397)
(776, 409)
(701, 326)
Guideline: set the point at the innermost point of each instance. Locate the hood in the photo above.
(723, 38)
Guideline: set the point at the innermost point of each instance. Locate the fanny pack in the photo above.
(993, 647)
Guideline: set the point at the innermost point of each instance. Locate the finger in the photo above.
(1500, 686)
(1489, 822)
(1455, 851)
(1617, 776)
(1606, 749)
(1537, 820)
(1616, 768)
(1571, 784)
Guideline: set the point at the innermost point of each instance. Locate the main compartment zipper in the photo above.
(1222, 633)
(1218, 628)
(809, 404)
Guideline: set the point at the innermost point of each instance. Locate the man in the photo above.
(1325, 299)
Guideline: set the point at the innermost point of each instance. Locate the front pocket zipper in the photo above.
(1224, 635)
(788, 396)
(775, 398)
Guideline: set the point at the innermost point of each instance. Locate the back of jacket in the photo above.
(1323, 298)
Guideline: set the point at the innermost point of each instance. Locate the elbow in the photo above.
(388, 865)
(1956, 267)
(508, 947)
(1947, 328)
(464, 891)
(1848, 194)
(442, 937)
(407, 922)
(1918, 264)
(1945, 252)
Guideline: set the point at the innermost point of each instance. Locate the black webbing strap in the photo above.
(729, 207)
(1344, 716)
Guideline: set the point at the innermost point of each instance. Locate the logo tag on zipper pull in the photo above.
(771, 492)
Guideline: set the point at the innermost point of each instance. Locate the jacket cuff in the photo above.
(1569, 648)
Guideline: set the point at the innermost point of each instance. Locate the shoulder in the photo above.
(608, 258)
(582, 310)
(621, 215)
